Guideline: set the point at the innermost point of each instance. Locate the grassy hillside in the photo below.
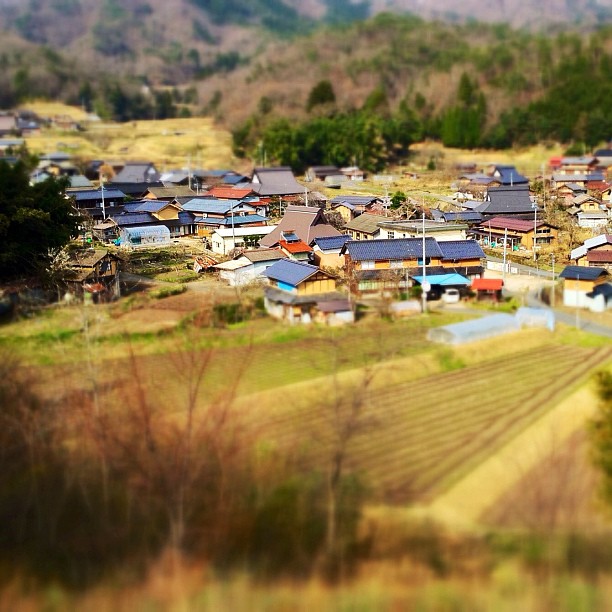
(168, 143)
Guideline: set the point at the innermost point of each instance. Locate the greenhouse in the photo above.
(492, 326)
(475, 329)
(156, 235)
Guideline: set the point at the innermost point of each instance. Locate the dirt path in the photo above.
(469, 499)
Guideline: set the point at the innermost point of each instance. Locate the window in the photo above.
(367, 265)
(396, 263)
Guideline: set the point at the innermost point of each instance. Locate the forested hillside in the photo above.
(357, 92)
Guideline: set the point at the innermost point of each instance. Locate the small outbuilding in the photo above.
(148, 236)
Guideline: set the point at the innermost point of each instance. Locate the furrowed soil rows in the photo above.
(431, 431)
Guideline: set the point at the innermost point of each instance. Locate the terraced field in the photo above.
(430, 432)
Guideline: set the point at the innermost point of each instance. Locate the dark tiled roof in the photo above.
(330, 243)
(136, 190)
(151, 206)
(394, 249)
(308, 223)
(467, 216)
(185, 217)
(134, 219)
(460, 249)
(95, 194)
(290, 272)
(509, 175)
(583, 273)
(264, 255)
(355, 200)
(138, 173)
(208, 205)
(237, 220)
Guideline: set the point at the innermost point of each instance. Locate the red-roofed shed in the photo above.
(488, 288)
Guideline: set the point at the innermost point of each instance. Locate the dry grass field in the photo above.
(169, 143)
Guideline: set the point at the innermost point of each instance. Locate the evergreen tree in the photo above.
(33, 219)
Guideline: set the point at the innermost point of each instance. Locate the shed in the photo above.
(488, 288)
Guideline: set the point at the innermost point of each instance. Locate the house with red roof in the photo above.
(518, 233)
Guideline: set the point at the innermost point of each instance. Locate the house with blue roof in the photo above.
(388, 265)
(211, 214)
(507, 174)
(299, 292)
(97, 203)
(327, 251)
(587, 287)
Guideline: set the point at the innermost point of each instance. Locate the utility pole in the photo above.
(505, 246)
(424, 283)
(552, 293)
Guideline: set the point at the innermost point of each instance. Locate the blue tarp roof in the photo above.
(444, 280)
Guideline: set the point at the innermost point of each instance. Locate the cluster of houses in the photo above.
(579, 184)
(302, 256)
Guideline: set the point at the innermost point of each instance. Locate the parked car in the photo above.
(451, 296)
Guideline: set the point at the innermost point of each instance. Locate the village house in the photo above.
(327, 251)
(293, 247)
(224, 240)
(248, 267)
(380, 265)
(303, 293)
(320, 173)
(467, 217)
(507, 201)
(97, 203)
(390, 229)
(350, 206)
(276, 181)
(596, 252)
(365, 227)
(577, 165)
(137, 172)
(307, 222)
(92, 272)
(518, 233)
(586, 287)
(506, 174)
(211, 214)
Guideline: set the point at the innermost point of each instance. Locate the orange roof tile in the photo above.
(295, 247)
